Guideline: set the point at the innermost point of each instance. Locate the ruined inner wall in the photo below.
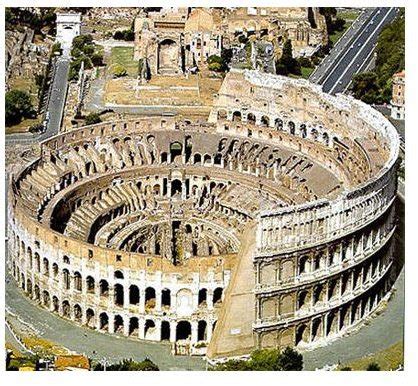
(136, 227)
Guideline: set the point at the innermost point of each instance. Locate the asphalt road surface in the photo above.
(356, 48)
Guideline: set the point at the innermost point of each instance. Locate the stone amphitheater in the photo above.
(271, 224)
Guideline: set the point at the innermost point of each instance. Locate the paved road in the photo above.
(55, 107)
(348, 57)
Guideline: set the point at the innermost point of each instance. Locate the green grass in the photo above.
(388, 359)
(307, 71)
(124, 56)
(348, 15)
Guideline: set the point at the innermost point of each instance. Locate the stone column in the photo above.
(111, 327)
(142, 300)
(125, 296)
(209, 299)
(158, 300)
(141, 329)
(194, 337)
(173, 326)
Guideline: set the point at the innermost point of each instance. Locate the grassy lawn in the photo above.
(348, 14)
(306, 72)
(388, 359)
(124, 56)
(23, 126)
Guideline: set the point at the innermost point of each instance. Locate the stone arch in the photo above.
(165, 330)
(90, 284)
(133, 294)
(183, 330)
(202, 330)
(302, 335)
(45, 266)
(55, 304)
(103, 321)
(78, 284)
(176, 187)
(46, 299)
(104, 287)
(66, 310)
(217, 295)
(150, 298)
(166, 298)
(77, 313)
(118, 295)
(90, 317)
(118, 274)
(251, 118)
(149, 329)
(202, 297)
(118, 325)
(176, 151)
(236, 116)
(265, 121)
(133, 326)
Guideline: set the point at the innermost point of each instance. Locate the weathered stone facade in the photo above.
(273, 222)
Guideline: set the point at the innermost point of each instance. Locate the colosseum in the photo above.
(271, 224)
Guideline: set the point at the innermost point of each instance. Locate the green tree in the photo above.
(92, 119)
(365, 87)
(266, 360)
(290, 360)
(97, 59)
(373, 366)
(129, 365)
(18, 105)
(81, 40)
(287, 64)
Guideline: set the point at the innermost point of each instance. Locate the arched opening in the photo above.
(203, 296)
(66, 311)
(149, 329)
(202, 330)
(176, 151)
(37, 262)
(118, 325)
(197, 158)
(316, 329)
(217, 296)
(149, 298)
(55, 270)
(133, 326)
(166, 298)
(104, 288)
(77, 281)
(46, 300)
(291, 126)
(302, 298)
(176, 187)
(165, 330)
(55, 304)
(278, 124)
(302, 335)
(236, 116)
(133, 294)
(183, 330)
(104, 321)
(265, 121)
(118, 288)
(303, 130)
(77, 313)
(251, 119)
(89, 317)
(37, 292)
(303, 264)
(118, 274)
(45, 266)
(90, 284)
(66, 278)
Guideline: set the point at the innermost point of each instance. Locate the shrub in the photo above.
(18, 105)
(92, 119)
(118, 70)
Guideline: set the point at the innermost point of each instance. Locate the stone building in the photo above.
(270, 225)
(172, 40)
(398, 96)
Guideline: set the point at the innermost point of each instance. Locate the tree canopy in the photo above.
(129, 365)
(287, 64)
(266, 360)
(376, 86)
(18, 105)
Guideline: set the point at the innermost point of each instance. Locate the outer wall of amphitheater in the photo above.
(321, 260)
